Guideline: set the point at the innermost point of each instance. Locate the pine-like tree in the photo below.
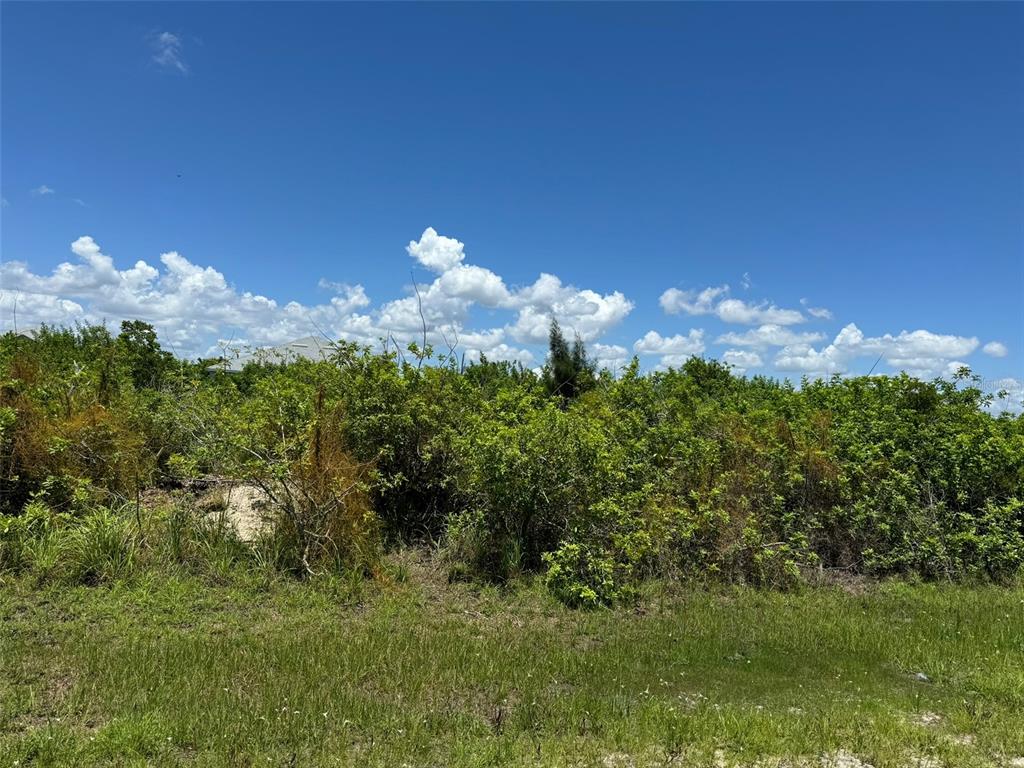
(568, 372)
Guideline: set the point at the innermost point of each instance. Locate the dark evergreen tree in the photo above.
(568, 372)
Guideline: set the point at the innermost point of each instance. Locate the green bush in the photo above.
(531, 480)
(581, 577)
(599, 482)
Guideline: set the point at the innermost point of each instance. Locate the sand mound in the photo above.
(247, 508)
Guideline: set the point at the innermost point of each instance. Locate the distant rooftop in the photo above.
(309, 347)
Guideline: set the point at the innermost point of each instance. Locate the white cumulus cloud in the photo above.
(653, 343)
(475, 284)
(919, 353)
(674, 350)
(716, 301)
(769, 335)
(674, 301)
(586, 312)
(742, 360)
(195, 308)
(435, 251)
(610, 356)
(995, 349)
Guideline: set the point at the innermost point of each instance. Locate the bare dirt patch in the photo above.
(247, 508)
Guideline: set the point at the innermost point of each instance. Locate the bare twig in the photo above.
(419, 305)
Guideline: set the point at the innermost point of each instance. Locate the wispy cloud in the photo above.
(167, 52)
(819, 312)
(42, 190)
(79, 201)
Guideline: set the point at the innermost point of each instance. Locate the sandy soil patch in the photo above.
(246, 507)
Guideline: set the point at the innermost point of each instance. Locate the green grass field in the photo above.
(177, 670)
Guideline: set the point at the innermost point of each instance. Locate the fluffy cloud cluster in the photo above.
(197, 312)
(716, 301)
(190, 305)
(773, 340)
(919, 353)
(446, 301)
(193, 307)
(741, 359)
(674, 350)
(769, 335)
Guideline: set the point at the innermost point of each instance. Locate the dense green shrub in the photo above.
(404, 419)
(532, 474)
(597, 481)
(581, 577)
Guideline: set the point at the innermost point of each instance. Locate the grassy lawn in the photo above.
(170, 670)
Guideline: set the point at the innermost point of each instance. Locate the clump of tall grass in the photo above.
(98, 546)
(101, 548)
(317, 528)
(202, 541)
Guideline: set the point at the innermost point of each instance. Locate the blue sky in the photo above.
(865, 161)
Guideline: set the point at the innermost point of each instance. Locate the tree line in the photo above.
(598, 482)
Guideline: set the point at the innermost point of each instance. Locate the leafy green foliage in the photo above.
(599, 482)
(582, 577)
